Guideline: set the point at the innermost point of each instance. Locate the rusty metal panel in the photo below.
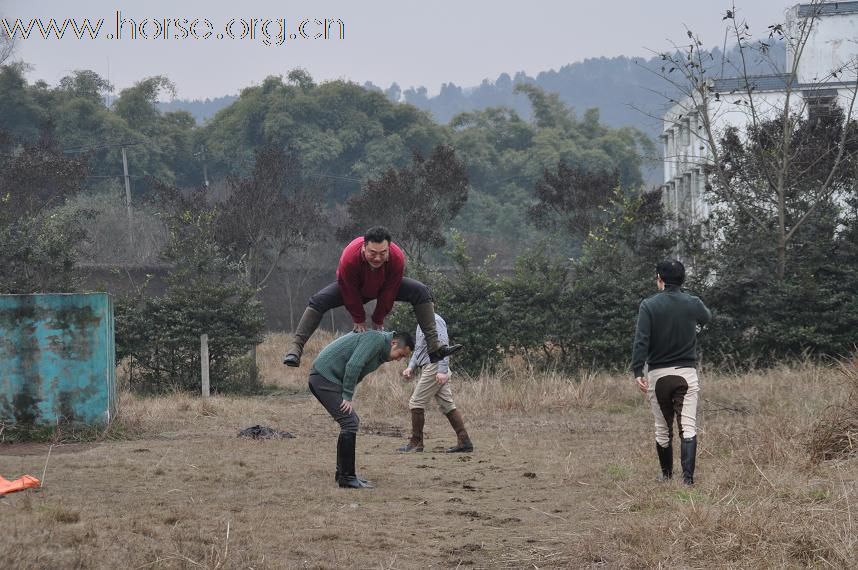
(57, 359)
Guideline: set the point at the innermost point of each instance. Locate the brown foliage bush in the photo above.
(835, 436)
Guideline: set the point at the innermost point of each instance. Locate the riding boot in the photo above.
(415, 443)
(688, 455)
(346, 452)
(463, 442)
(425, 315)
(306, 327)
(665, 459)
(339, 468)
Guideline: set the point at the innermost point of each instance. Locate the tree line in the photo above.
(293, 165)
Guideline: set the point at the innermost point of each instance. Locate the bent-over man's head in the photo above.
(376, 246)
(401, 346)
(670, 272)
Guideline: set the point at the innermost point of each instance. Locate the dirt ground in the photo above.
(524, 497)
(563, 476)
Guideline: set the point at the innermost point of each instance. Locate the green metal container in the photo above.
(57, 359)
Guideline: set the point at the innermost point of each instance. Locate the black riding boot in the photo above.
(340, 469)
(665, 460)
(346, 455)
(425, 315)
(688, 454)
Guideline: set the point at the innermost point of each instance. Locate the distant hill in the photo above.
(629, 92)
(613, 85)
(201, 110)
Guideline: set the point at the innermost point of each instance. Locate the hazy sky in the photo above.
(412, 43)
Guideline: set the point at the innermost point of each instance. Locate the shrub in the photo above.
(835, 435)
(470, 300)
(205, 295)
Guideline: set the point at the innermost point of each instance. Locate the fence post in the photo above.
(204, 363)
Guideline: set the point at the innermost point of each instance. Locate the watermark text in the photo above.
(267, 31)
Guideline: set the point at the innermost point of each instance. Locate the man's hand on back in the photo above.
(359, 327)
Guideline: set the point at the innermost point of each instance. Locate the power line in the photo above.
(85, 148)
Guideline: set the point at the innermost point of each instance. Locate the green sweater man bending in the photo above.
(335, 374)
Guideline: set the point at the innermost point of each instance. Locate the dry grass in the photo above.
(517, 389)
(563, 477)
(836, 435)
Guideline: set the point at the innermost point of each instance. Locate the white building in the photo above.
(822, 74)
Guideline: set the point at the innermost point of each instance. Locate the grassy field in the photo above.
(563, 476)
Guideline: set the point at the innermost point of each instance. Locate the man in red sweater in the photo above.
(371, 267)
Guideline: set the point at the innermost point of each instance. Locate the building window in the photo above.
(685, 133)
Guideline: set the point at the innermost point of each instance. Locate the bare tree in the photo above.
(573, 198)
(414, 202)
(710, 106)
(268, 213)
(301, 265)
(7, 45)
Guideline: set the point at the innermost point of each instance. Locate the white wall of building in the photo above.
(832, 46)
(832, 43)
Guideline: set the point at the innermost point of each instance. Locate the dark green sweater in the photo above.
(667, 330)
(351, 357)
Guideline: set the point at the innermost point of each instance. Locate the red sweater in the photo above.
(359, 282)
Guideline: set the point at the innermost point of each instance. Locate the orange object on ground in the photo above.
(19, 484)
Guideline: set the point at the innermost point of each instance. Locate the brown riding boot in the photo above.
(463, 444)
(416, 441)
(306, 327)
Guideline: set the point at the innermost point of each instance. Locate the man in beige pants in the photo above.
(433, 380)
(666, 343)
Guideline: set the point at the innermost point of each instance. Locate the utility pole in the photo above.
(202, 155)
(126, 176)
(128, 197)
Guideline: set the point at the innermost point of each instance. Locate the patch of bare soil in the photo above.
(211, 499)
(42, 449)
